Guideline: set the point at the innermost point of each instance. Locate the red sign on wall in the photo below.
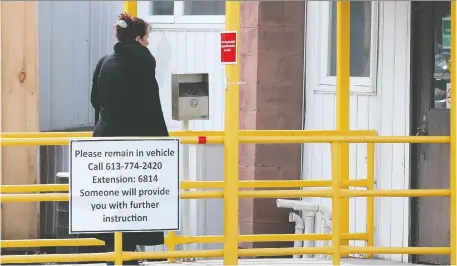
(229, 47)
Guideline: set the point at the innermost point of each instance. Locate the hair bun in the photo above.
(125, 17)
(121, 23)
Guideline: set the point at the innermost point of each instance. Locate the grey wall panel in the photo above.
(73, 35)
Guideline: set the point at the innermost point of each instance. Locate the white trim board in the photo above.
(178, 20)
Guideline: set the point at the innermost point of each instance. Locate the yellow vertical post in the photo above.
(336, 203)
(231, 141)
(370, 200)
(118, 248)
(453, 142)
(170, 243)
(343, 13)
(130, 7)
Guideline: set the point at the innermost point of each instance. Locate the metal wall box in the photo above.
(190, 96)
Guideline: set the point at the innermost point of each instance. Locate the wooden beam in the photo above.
(19, 111)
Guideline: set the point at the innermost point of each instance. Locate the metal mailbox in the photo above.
(190, 96)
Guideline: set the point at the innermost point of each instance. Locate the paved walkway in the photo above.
(285, 262)
(278, 262)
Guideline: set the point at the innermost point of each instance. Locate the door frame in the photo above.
(414, 124)
(414, 151)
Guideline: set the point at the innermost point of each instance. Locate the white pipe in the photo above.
(322, 215)
(318, 229)
(299, 228)
(327, 230)
(304, 206)
(282, 203)
(309, 229)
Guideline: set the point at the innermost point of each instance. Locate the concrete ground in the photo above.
(285, 262)
(278, 262)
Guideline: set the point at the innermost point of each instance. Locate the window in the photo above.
(204, 8)
(184, 12)
(161, 8)
(363, 39)
(360, 39)
(442, 57)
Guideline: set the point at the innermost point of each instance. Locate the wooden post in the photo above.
(19, 111)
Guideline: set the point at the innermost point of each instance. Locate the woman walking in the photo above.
(126, 95)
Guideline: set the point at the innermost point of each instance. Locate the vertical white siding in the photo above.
(73, 35)
(387, 112)
(189, 51)
(195, 51)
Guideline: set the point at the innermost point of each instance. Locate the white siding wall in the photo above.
(195, 51)
(387, 111)
(189, 51)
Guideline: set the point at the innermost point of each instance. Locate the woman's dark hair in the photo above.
(134, 27)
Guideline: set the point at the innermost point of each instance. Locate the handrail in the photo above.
(195, 185)
(195, 133)
(37, 193)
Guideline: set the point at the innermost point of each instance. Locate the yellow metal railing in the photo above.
(231, 138)
(26, 193)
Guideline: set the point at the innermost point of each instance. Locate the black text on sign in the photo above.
(124, 185)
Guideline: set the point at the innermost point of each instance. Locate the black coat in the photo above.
(126, 94)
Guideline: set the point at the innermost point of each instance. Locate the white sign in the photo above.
(124, 185)
(448, 95)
